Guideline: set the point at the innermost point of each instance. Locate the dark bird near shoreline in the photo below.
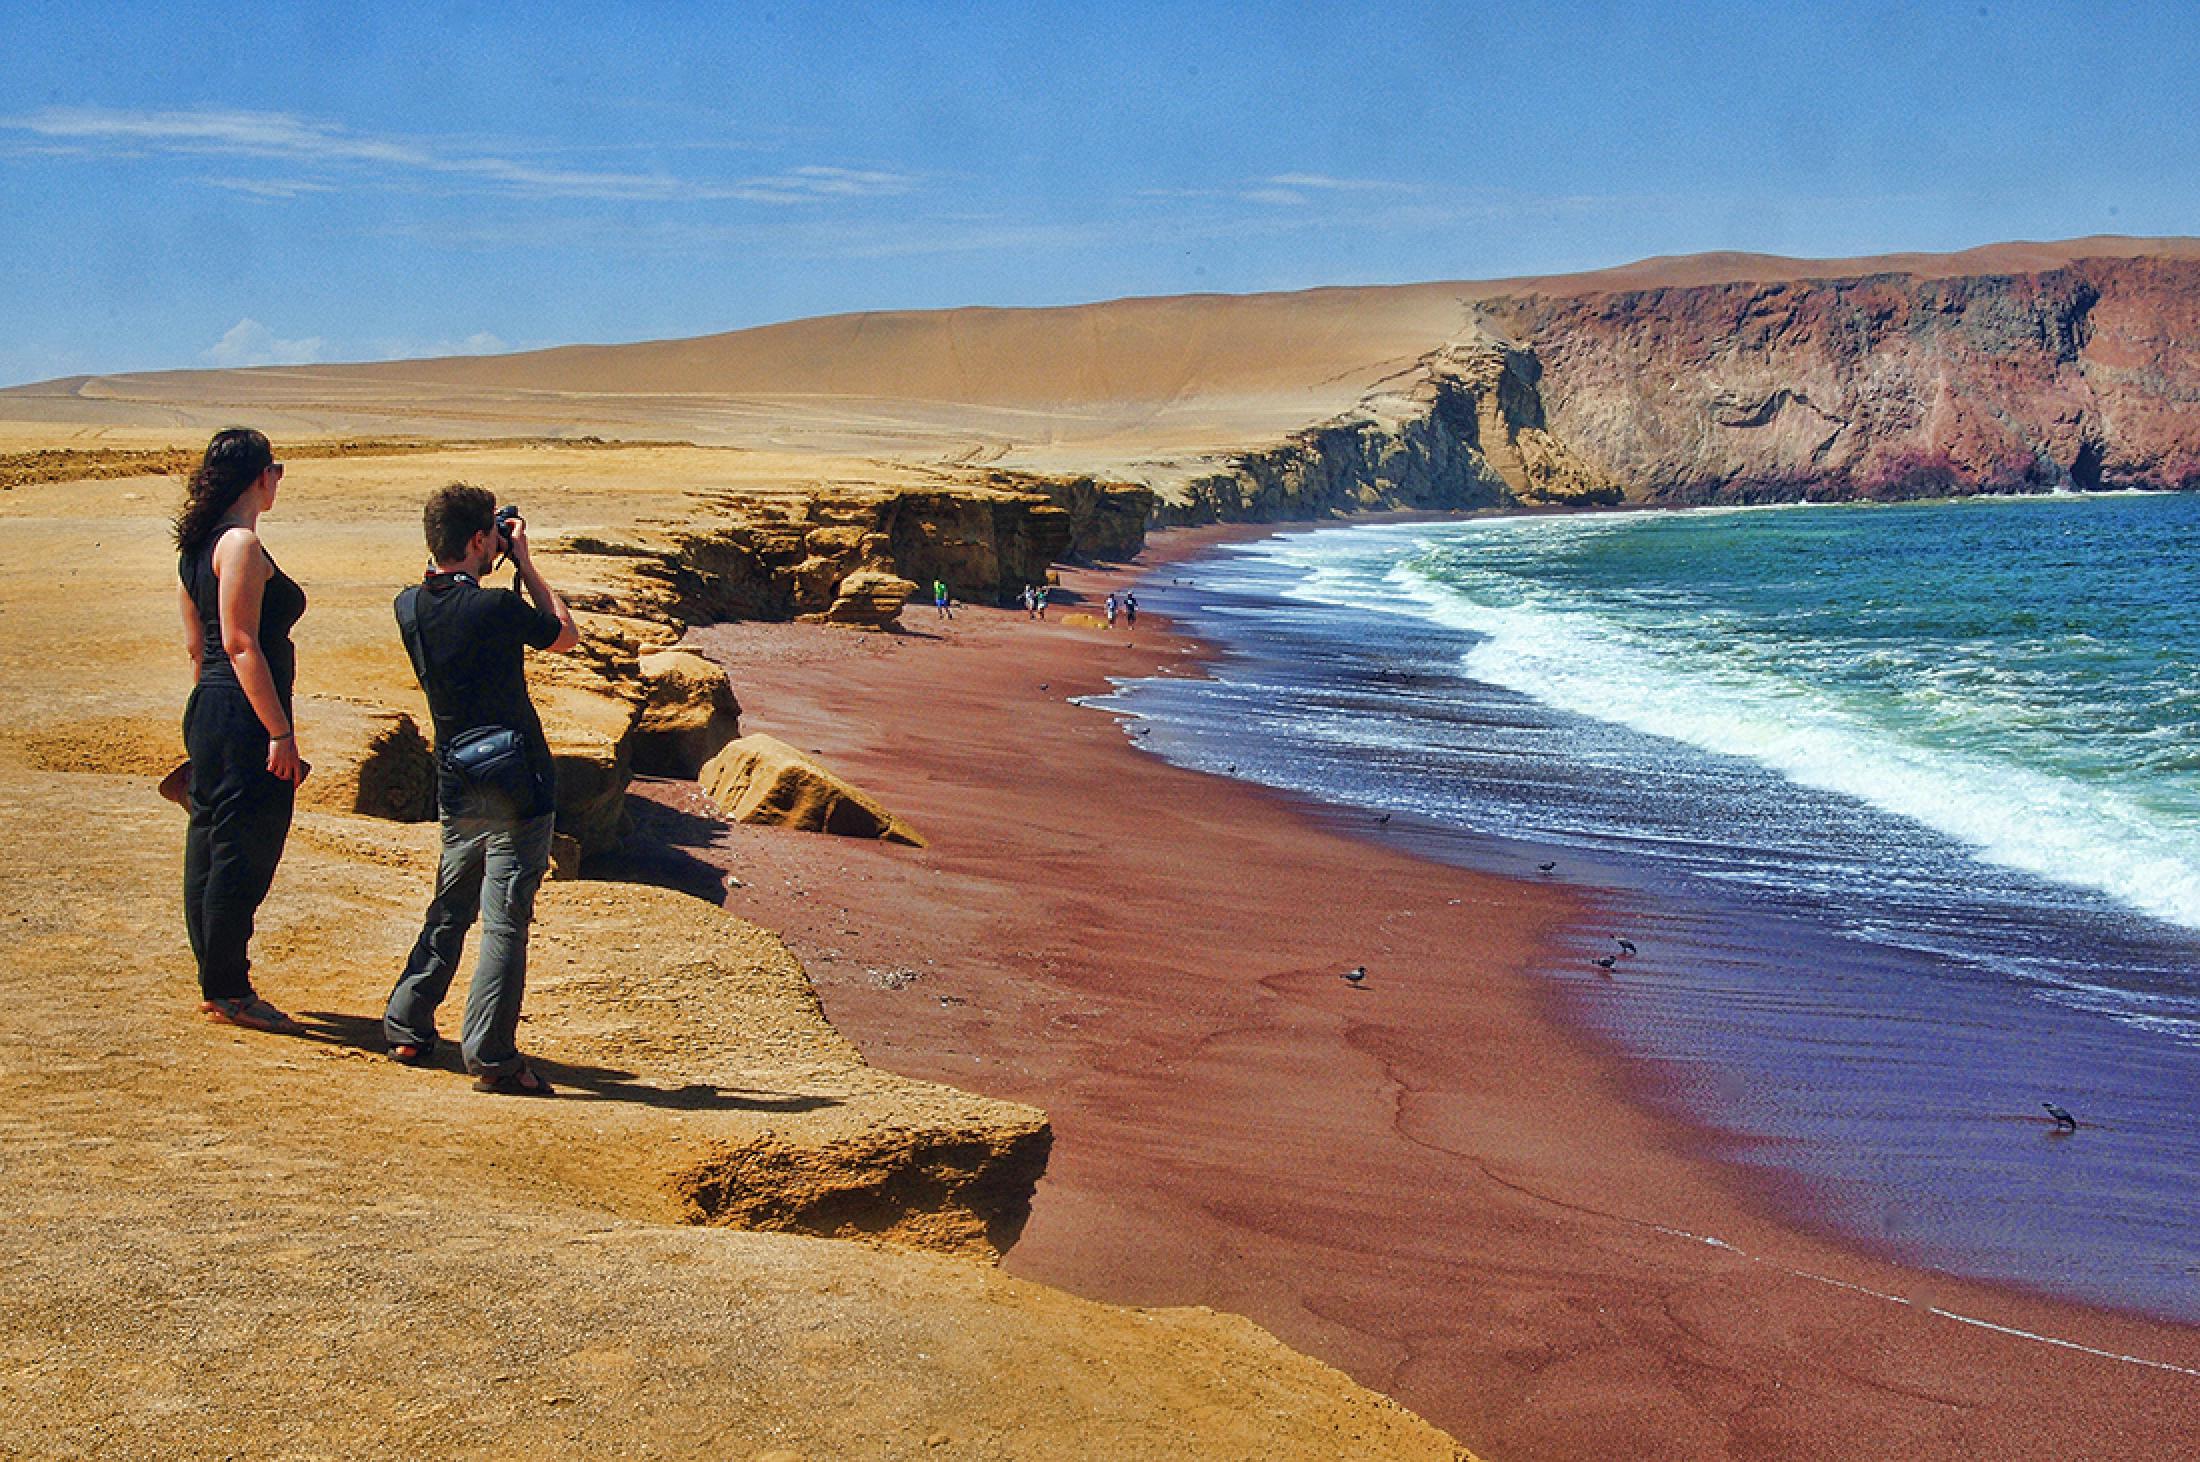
(1044, 684)
(2064, 1122)
(1626, 946)
(1383, 819)
(1356, 974)
(1605, 961)
(1545, 867)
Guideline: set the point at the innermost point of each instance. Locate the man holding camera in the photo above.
(496, 786)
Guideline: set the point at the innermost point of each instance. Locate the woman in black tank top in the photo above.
(238, 609)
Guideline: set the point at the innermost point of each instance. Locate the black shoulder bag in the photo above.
(492, 758)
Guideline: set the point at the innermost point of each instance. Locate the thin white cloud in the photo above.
(270, 188)
(250, 343)
(1319, 182)
(849, 180)
(302, 142)
(1286, 190)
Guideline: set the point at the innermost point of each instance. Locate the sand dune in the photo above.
(1131, 381)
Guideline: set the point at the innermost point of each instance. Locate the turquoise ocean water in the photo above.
(1906, 797)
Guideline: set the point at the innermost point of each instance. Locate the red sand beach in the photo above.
(1432, 1182)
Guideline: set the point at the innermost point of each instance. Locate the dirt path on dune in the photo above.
(1427, 1182)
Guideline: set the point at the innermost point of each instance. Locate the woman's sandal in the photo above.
(408, 1054)
(521, 1080)
(251, 1012)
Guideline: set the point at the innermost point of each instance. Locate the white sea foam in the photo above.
(2011, 814)
(2088, 835)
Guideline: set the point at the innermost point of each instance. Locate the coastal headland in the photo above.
(1093, 1024)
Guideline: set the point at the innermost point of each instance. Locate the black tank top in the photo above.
(281, 605)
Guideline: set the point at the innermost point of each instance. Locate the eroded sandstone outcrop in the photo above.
(1464, 429)
(1107, 520)
(965, 1191)
(853, 555)
(688, 714)
(681, 1034)
(761, 779)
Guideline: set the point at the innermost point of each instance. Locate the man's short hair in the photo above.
(454, 515)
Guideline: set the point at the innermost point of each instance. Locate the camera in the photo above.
(506, 517)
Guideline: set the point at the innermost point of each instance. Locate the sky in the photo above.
(236, 184)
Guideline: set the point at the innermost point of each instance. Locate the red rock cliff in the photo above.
(1887, 385)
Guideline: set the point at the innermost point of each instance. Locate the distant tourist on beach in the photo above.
(1031, 602)
(1130, 610)
(939, 599)
(238, 609)
(1111, 607)
(1039, 597)
(496, 785)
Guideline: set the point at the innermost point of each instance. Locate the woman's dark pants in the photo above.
(240, 817)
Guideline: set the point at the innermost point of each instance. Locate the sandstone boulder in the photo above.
(869, 598)
(761, 779)
(589, 734)
(688, 714)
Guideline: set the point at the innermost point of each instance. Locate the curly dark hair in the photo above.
(234, 461)
(454, 515)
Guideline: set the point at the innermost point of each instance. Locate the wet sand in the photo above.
(1434, 1182)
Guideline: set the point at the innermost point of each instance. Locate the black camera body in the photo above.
(506, 516)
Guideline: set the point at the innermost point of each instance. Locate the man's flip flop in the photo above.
(521, 1080)
(252, 1013)
(411, 1055)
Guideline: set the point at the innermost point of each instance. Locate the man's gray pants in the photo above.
(491, 867)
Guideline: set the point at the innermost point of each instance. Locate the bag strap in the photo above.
(408, 627)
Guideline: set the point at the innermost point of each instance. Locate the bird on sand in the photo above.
(1044, 684)
(1605, 961)
(2064, 1122)
(1356, 974)
(1545, 867)
(1383, 819)
(1626, 946)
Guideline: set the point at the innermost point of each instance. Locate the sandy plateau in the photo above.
(230, 1244)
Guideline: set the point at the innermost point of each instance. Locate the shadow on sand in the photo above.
(596, 1083)
(657, 852)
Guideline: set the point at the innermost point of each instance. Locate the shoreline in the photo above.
(1505, 1237)
(1843, 1062)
